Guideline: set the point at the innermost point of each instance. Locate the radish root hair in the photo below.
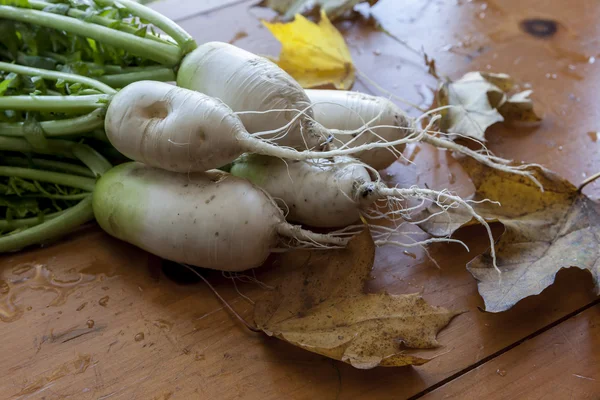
(370, 192)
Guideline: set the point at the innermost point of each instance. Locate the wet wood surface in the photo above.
(92, 318)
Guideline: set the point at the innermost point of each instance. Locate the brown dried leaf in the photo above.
(321, 306)
(518, 109)
(544, 232)
(480, 100)
(334, 9)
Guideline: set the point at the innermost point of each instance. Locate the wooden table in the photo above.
(92, 318)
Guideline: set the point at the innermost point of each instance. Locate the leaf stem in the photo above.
(53, 103)
(52, 165)
(58, 128)
(123, 79)
(58, 178)
(12, 224)
(185, 41)
(96, 19)
(55, 75)
(57, 147)
(55, 227)
(587, 181)
(163, 53)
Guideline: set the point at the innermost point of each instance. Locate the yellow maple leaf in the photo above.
(313, 54)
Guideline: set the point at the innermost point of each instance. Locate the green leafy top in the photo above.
(38, 46)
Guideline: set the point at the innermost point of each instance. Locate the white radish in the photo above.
(210, 219)
(356, 119)
(321, 194)
(351, 111)
(247, 82)
(335, 193)
(182, 130)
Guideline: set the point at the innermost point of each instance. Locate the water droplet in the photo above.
(139, 337)
(592, 60)
(501, 372)
(572, 67)
(560, 148)
(481, 15)
(583, 174)
(484, 6)
(29, 308)
(162, 324)
(103, 301)
(377, 52)
(21, 269)
(39, 278)
(488, 66)
(90, 323)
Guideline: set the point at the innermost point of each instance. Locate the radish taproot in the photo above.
(265, 97)
(210, 219)
(182, 130)
(335, 193)
(356, 119)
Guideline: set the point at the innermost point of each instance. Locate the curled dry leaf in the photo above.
(334, 8)
(321, 306)
(314, 54)
(480, 100)
(544, 232)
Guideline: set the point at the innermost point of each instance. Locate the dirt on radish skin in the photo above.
(211, 219)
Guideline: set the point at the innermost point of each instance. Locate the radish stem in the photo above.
(182, 38)
(58, 226)
(80, 14)
(55, 75)
(58, 128)
(53, 165)
(58, 178)
(12, 224)
(159, 52)
(125, 78)
(53, 103)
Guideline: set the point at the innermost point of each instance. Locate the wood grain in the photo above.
(192, 348)
(562, 363)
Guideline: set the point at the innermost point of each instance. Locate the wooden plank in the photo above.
(179, 10)
(100, 319)
(562, 363)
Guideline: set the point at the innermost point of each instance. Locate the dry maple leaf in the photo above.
(544, 232)
(334, 8)
(480, 100)
(313, 54)
(321, 306)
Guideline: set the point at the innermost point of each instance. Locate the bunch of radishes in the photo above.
(225, 161)
(287, 151)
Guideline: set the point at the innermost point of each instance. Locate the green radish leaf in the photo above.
(18, 3)
(61, 9)
(141, 32)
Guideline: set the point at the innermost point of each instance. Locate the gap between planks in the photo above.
(504, 350)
